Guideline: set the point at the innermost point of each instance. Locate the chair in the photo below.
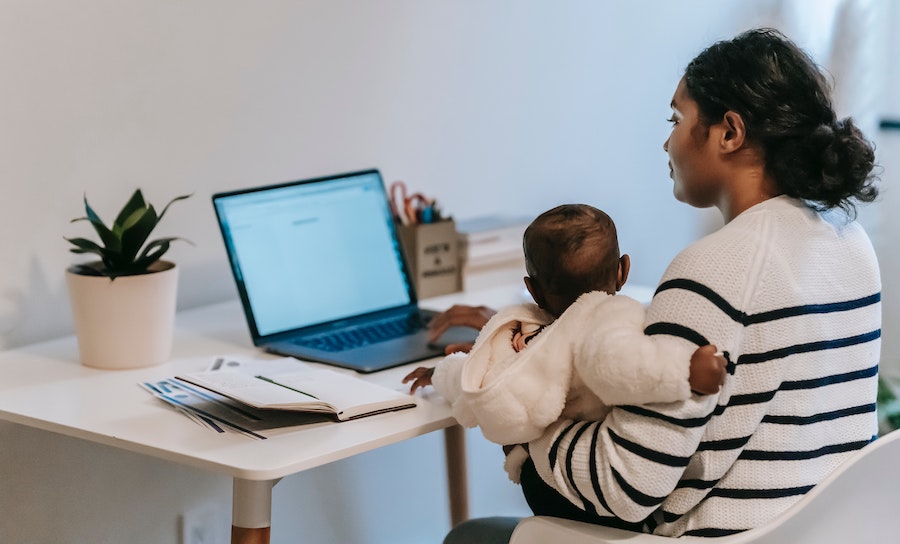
(857, 503)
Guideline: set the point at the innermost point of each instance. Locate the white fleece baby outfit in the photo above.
(513, 396)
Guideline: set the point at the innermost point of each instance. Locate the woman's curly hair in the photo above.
(785, 103)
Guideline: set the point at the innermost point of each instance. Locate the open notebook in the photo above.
(288, 384)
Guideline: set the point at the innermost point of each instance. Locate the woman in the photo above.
(789, 287)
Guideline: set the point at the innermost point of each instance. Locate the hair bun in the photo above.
(847, 162)
(824, 135)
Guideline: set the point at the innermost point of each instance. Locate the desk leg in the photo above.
(457, 476)
(251, 515)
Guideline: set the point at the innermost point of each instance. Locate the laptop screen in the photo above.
(314, 251)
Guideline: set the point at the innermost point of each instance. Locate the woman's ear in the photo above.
(622, 273)
(734, 132)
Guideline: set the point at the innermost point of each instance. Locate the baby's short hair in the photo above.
(572, 249)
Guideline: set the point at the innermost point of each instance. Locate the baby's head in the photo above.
(570, 250)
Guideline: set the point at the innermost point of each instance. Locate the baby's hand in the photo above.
(420, 378)
(707, 370)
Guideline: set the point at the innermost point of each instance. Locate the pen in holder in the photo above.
(432, 251)
(430, 242)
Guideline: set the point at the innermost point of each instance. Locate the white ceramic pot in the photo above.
(127, 322)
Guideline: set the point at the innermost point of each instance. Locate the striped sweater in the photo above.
(793, 297)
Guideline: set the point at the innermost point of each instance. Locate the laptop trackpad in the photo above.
(455, 335)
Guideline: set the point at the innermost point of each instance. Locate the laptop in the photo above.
(321, 273)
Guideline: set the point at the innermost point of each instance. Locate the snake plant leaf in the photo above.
(83, 245)
(120, 246)
(154, 251)
(135, 203)
(176, 199)
(136, 230)
(160, 243)
(885, 393)
(109, 239)
(89, 269)
(135, 217)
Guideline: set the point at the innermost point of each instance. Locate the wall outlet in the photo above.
(206, 524)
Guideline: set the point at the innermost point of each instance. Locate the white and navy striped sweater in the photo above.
(793, 297)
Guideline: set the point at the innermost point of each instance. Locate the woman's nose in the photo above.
(666, 145)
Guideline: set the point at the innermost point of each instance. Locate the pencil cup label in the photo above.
(432, 251)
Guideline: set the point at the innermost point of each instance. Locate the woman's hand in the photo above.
(708, 370)
(459, 315)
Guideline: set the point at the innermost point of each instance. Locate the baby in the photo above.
(512, 393)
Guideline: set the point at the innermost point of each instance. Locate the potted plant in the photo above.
(123, 305)
(888, 407)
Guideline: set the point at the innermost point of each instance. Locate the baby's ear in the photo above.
(535, 292)
(622, 273)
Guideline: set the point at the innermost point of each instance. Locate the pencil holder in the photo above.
(432, 251)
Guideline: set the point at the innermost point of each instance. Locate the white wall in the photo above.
(492, 106)
(888, 251)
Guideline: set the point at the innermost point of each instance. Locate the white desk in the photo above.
(45, 387)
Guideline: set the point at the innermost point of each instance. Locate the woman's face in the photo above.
(692, 156)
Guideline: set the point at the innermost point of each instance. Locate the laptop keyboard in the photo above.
(370, 333)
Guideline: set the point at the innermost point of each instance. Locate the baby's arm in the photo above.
(421, 377)
(622, 365)
(444, 377)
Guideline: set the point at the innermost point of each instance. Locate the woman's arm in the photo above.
(461, 315)
(627, 465)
